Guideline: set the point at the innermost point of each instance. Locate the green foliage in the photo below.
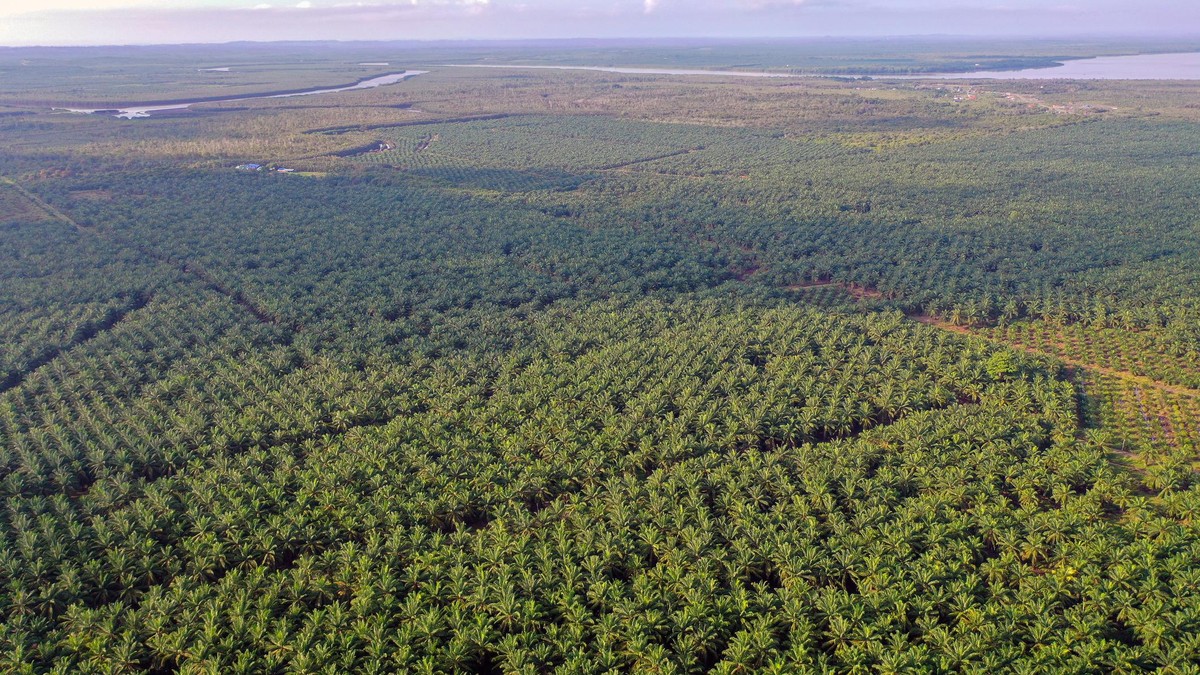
(1001, 365)
(579, 393)
(640, 482)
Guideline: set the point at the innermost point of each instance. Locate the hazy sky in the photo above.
(170, 21)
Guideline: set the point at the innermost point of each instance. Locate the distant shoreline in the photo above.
(1064, 68)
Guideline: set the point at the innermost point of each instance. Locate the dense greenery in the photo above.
(847, 378)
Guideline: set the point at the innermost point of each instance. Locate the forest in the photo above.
(530, 371)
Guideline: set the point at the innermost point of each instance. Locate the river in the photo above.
(135, 111)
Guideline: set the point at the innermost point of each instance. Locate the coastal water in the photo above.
(1139, 67)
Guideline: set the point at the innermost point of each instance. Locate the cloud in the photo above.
(18, 7)
(763, 4)
(172, 21)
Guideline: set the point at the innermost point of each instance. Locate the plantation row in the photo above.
(34, 337)
(617, 493)
(1125, 350)
(1154, 428)
(14, 207)
(377, 259)
(595, 143)
(87, 413)
(968, 228)
(573, 143)
(827, 296)
(593, 392)
(964, 227)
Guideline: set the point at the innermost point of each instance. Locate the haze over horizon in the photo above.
(109, 22)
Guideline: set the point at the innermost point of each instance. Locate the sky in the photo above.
(57, 22)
